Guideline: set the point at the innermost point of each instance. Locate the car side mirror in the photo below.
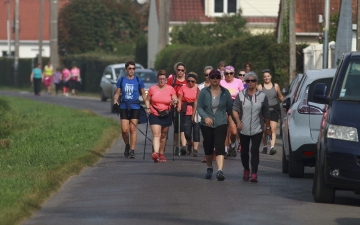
(319, 94)
(286, 104)
(284, 91)
(108, 76)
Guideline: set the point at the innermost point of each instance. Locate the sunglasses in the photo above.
(131, 68)
(181, 70)
(231, 73)
(250, 81)
(216, 77)
(241, 74)
(206, 74)
(192, 81)
(266, 71)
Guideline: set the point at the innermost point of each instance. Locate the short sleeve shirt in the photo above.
(189, 95)
(37, 73)
(234, 87)
(129, 91)
(161, 99)
(178, 84)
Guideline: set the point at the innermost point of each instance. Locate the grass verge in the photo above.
(46, 145)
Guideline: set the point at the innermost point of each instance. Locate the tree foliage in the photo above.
(90, 25)
(224, 28)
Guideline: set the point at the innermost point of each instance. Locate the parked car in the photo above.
(148, 77)
(301, 126)
(110, 77)
(338, 158)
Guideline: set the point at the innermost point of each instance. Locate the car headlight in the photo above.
(342, 133)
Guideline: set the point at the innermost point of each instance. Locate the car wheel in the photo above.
(321, 192)
(102, 97)
(296, 168)
(285, 162)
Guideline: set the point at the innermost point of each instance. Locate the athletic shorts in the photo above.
(128, 115)
(274, 112)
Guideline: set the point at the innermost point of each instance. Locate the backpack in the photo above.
(174, 80)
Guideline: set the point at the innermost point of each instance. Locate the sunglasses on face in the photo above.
(241, 74)
(131, 68)
(180, 70)
(206, 74)
(251, 81)
(216, 77)
(191, 81)
(231, 73)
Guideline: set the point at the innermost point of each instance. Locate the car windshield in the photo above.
(350, 87)
(121, 70)
(147, 77)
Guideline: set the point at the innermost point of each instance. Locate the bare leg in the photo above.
(133, 134)
(220, 162)
(164, 131)
(125, 130)
(156, 130)
(273, 126)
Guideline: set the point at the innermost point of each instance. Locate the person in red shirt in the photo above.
(187, 98)
(180, 80)
(162, 97)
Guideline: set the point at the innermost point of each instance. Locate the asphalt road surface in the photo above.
(117, 190)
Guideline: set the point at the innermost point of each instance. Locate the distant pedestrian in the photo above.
(36, 79)
(160, 98)
(130, 88)
(221, 69)
(248, 66)
(57, 80)
(75, 78)
(250, 111)
(273, 93)
(241, 76)
(213, 105)
(65, 76)
(47, 76)
(187, 99)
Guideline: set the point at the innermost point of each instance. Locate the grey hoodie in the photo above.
(251, 111)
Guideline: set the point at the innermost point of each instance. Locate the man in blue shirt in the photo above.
(130, 87)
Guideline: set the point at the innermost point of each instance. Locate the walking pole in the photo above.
(179, 132)
(174, 136)
(147, 124)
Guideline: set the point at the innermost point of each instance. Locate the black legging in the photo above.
(214, 137)
(37, 85)
(255, 144)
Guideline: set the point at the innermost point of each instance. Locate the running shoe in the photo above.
(132, 154)
(254, 177)
(264, 151)
(272, 151)
(189, 150)
(177, 151)
(162, 158)
(209, 172)
(220, 175)
(183, 150)
(126, 152)
(155, 157)
(246, 175)
(239, 148)
(196, 154)
(233, 151)
(227, 154)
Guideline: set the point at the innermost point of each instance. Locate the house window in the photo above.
(225, 6)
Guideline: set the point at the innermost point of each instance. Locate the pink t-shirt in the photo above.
(189, 95)
(65, 74)
(160, 98)
(75, 73)
(234, 87)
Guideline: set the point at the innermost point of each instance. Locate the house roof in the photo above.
(308, 11)
(29, 13)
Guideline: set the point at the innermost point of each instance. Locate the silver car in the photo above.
(148, 77)
(301, 125)
(110, 77)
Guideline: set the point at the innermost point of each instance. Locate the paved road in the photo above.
(136, 191)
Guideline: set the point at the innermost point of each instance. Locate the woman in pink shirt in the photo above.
(234, 86)
(187, 96)
(158, 103)
(65, 76)
(75, 79)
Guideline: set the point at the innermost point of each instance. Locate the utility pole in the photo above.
(292, 39)
(16, 58)
(54, 53)
(41, 31)
(358, 26)
(9, 29)
(326, 34)
(164, 14)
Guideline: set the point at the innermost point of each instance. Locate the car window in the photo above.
(107, 70)
(350, 87)
(147, 77)
(298, 88)
(119, 71)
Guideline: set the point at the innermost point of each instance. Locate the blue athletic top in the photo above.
(129, 91)
(37, 73)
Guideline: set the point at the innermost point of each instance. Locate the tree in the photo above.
(89, 25)
(224, 28)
